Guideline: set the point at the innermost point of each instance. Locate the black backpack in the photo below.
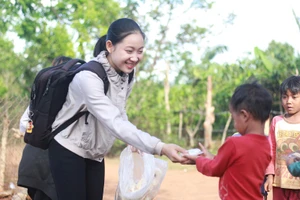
(48, 94)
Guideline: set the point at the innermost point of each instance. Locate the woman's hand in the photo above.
(134, 149)
(174, 152)
(191, 159)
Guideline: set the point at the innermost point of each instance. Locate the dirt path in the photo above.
(180, 183)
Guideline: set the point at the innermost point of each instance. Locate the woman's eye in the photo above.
(129, 51)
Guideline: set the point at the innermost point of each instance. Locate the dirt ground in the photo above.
(180, 183)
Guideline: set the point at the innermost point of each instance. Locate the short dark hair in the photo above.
(117, 31)
(292, 84)
(253, 98)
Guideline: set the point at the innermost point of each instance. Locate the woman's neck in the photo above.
(111, 63)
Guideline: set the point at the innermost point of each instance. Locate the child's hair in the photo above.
(117, 31)
(253, 98)
(291, 84)
(60, 59)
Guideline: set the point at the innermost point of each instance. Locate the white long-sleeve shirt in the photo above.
(107, 119)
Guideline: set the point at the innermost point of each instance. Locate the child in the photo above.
(241, 161)
(284, 138)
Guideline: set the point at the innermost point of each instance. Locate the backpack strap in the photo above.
(92, 66)
(71, 63)
(97, 68)
(69, 122)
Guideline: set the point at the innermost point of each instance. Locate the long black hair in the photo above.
(117, 31)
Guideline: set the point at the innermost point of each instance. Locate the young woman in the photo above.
(77, 153)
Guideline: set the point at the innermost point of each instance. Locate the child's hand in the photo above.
(269, 183)
(192, 158)
(206, 153)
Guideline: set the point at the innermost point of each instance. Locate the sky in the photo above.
(257, 23)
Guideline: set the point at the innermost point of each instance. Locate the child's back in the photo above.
(241, 161)
(248, 156)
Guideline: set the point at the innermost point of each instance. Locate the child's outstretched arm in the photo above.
(211, 165)
(192, 158)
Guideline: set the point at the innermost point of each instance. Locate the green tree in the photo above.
(165, 56)
(54, 28)
(275, 64)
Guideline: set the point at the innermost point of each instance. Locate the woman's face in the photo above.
(125, 55)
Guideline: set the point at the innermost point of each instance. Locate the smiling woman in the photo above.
(126, 55)
(76, 154)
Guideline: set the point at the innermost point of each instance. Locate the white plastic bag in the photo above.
(140, 175)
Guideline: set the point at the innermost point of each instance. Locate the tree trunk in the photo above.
(191, 137)
(192, 133)
(226, 129)
(3, 150)
(210, 117)
(167, 102)
(180, 124)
